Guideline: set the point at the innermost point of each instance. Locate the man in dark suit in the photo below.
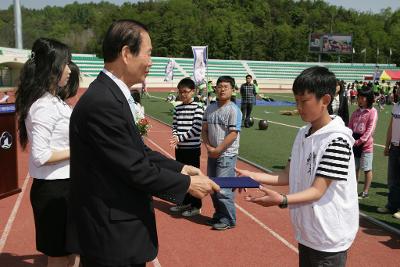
(114, 174)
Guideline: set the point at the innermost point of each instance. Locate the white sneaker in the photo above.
(191, 212)
(397, 215)
(383, 210)
(179, 208)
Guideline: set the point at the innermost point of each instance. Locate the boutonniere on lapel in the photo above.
(143, 125)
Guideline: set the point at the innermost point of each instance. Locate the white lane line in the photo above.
(292, 126)
(274, 234)
(285, 96)
(160, 148)
(13, 214)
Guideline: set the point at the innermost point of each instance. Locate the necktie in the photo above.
(131, 103)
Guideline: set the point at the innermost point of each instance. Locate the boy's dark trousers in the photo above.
(309, 257)
(189, 157)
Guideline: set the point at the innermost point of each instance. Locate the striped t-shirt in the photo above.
(186, 125)
(335, 160)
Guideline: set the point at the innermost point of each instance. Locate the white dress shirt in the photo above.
(135, 109)
(124, 88)
(47, 125)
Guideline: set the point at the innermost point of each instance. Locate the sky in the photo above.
(359, 5)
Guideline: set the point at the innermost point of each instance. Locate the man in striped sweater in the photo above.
(186, 132)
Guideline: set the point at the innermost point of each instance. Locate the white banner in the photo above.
(199, 64)
(169, 70)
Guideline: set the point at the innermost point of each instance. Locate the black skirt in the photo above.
(49, 199)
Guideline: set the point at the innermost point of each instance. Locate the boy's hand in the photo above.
(386, 151)
(270, 198)
(214, 153)
(241, 172)
(173, 142)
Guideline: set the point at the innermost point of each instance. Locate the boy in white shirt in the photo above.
(323, 198)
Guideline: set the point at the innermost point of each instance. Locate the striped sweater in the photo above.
(187, 121)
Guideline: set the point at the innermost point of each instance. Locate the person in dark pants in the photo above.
(186, 131)
(114, 174)
(248, 94)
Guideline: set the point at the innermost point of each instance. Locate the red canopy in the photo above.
(394, 74)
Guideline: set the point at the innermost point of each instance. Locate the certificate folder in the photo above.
(235, 182)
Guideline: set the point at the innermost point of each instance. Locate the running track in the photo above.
(262, 237)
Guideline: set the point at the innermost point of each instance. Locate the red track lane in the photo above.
(188, 242)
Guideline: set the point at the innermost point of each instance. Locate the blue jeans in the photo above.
(224, 201)
(394, 179)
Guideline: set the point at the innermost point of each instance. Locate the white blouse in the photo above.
(47, 125)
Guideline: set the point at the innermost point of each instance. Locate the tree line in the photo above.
(275, 30)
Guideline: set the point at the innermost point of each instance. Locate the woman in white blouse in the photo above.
(44, 123)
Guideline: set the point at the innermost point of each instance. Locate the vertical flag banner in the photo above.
(169, 70)
(377, 51)
(354, 51)
(199, 64)
(390, 51)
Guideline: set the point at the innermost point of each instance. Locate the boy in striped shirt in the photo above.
(186, 132)
(323, 200)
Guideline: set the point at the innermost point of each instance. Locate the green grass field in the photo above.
(271, 148)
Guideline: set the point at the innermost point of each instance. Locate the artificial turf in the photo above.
(271, 148)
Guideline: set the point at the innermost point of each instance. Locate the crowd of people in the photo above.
(385, 92)
(94, 177)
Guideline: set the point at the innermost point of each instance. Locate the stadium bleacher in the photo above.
(269, 74)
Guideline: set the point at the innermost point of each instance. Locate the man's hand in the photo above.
(270, 198)
(191, 171)
(201, 186)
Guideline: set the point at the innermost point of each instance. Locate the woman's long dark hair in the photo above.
(71, 89)
(40, 74)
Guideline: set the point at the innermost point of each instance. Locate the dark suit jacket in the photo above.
(114, 175)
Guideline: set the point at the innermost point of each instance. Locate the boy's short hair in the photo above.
(368, 92)
(226, 79)
(248, 75)
(186, 83)
(316, 80)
